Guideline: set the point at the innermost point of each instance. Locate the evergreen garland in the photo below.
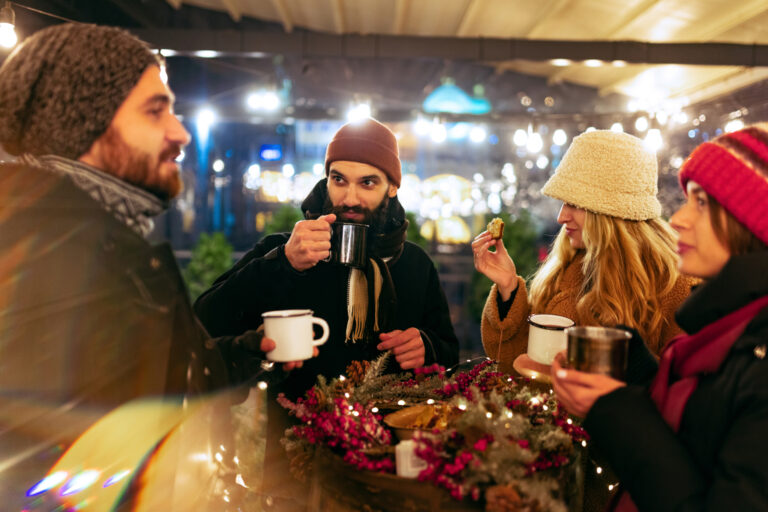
(510, 446)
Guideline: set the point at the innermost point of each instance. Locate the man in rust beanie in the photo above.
(393, 303)
(367, 141)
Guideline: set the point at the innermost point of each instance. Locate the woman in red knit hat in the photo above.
(694, 438)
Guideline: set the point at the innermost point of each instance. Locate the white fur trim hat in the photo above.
(608, 173)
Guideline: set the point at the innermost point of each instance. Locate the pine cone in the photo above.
(356, 371)
(300, 464)
(502, 498)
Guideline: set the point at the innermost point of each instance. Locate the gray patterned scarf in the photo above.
(130, 205)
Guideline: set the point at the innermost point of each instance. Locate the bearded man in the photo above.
(407, 315)
(91, 314)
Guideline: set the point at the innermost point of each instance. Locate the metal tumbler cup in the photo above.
(598, 350)
(349, 244)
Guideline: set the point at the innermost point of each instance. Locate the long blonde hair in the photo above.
(628, 267)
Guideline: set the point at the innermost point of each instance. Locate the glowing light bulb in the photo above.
(8, 38)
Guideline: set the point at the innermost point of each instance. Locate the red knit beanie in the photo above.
(367, 141)
(733, 168)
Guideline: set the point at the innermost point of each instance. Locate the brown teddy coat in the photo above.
(505, 339)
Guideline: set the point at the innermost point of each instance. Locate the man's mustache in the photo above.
(171, 153)
(351, 209)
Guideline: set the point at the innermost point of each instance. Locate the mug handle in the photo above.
(322, 323)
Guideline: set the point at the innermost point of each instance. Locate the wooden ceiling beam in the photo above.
(338, 16)
(702, 32)
(468, 18)
(727, 82)
(635, 13)
(176, 4)
(233, 9)
(285, 17)
(725, 20)
(551, 10)
(563, 74)
(317, 44)
(401, 11)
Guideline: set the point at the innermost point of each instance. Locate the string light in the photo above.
(8, 38)
(653, 140)
(734, 125)
(535, 143)
(520, 138)
(358, 112)
(559, 137)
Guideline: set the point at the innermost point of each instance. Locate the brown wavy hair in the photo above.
(628, 267)
(730, 232)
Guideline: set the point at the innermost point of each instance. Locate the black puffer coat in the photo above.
(717, 459)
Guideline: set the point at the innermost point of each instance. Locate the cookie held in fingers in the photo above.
(496, 228)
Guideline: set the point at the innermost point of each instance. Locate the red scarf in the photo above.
(683, 360)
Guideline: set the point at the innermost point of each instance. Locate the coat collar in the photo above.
(742, 280)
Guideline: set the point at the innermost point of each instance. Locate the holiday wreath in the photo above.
(502, 442)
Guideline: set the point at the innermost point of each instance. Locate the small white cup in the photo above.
(407, 463)
(546, 337)
(292, 331)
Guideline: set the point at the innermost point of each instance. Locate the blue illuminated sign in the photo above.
(271, 152)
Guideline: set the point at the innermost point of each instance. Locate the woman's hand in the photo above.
(497, 266)
(578, 391)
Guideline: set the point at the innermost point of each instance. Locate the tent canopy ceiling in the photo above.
(655, 21)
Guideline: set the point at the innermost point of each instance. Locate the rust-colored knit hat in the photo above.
(733, 168)
(367, 141)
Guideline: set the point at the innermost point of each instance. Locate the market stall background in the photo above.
(484, 95)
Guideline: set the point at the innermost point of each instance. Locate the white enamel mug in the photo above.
(292, 331)
(546, 337)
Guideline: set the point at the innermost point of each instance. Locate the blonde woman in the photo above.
(613, 261)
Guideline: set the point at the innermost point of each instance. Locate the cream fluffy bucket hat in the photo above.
(609, 173)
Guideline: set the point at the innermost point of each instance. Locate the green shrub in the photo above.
(211, 257)
(283, 220)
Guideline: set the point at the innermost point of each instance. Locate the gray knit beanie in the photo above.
(608, 173)
(60, 88)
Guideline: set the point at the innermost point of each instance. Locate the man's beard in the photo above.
(376, 219)
(136, 167)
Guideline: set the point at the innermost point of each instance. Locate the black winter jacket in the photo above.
(718, 460)
(91, 316)
(263, 280)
